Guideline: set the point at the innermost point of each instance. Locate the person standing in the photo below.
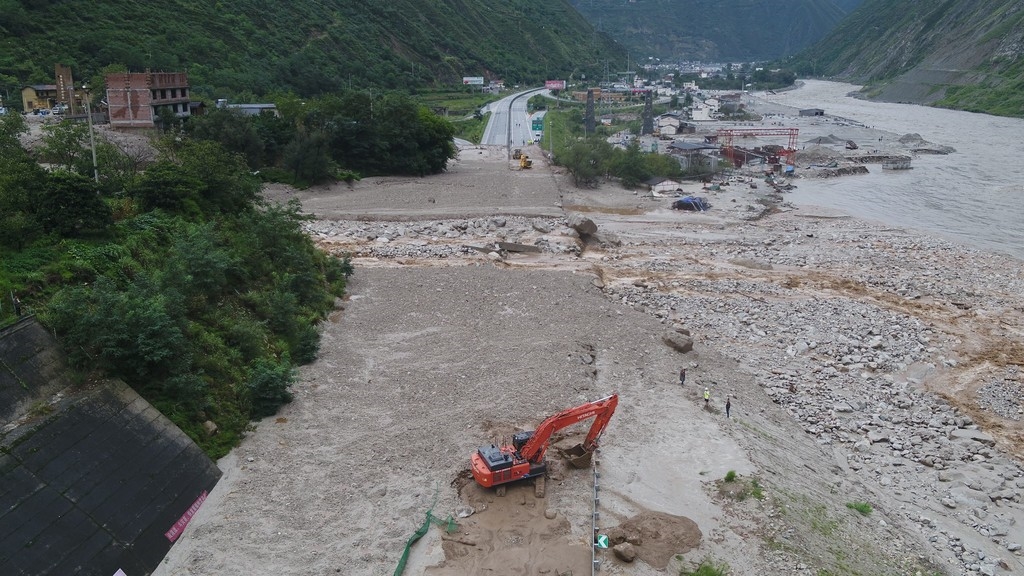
(728, 406)
(682, 377)
(707, 397)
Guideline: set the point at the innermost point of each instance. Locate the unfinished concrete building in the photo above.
(136, 100)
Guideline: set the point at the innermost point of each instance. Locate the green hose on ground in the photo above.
(449, 527)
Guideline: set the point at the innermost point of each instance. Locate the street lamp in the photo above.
(92, 140)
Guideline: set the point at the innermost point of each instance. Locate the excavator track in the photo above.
(539, 486)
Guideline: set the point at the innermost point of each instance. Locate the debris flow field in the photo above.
(873, 377)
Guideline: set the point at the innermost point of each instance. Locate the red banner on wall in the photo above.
(179, 526)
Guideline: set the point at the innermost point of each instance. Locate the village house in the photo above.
(693, 155)
(249, 109)
(668, 123)
(600, 96)
(663, 186)
(38, 97)
(706, 110)
(136, 100)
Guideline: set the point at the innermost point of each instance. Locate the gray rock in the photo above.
(876, 436)
(975, 435)
(625, 552)
(678, 342)
(580, 223)
(751, 263)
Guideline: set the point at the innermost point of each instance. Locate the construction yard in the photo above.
(876, 414)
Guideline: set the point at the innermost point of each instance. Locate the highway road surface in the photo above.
(509, 124)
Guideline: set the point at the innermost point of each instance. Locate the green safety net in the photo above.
(449, 527)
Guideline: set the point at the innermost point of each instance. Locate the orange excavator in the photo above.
(495, 465)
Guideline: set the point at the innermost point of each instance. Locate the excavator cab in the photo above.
(519, 439)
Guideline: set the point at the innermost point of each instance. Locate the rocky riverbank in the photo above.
(866, 367)
(873, 340)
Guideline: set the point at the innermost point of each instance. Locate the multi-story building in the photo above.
(136, 100)
(38, 97)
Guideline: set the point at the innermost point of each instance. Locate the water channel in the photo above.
(974, 196)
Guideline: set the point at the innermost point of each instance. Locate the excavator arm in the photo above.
(601, 410)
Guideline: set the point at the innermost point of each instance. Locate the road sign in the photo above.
(602, 541)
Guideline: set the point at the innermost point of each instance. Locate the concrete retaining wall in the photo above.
(91, 480)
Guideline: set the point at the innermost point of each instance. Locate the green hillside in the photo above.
(964, 54)
(714, 30)
(309, 47)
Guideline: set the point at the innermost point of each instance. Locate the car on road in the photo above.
(59, 109)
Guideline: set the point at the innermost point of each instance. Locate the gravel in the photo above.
(863, 364)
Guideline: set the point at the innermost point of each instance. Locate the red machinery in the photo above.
(726, 135)
(524, 458)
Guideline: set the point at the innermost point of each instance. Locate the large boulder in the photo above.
(625, 551)
(581, 224)
(678, 342)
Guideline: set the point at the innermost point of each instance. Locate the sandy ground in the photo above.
(839, 343)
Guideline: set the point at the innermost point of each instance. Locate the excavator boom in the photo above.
(524, 458)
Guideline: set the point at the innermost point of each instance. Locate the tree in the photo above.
(307, 156)
(167, 186)
(121, 164)
(70, 205)
(224, 182)
(11, 126)
(128, 330)
(662, 165)
(235, 131)
(630, 167)
(586, 159)
(64, 145)
(20, 179)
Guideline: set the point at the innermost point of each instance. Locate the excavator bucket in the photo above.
(578, 456)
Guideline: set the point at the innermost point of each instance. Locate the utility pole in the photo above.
(92, 140)
(551, 139)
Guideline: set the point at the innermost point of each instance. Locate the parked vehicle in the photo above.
(692, 203)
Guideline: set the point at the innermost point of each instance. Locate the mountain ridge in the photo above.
(710, 30)
(309, 48)
(963, 54)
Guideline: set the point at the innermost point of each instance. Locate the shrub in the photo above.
(268, 386)
(730, 476)
(862, 507)
(755, 489)
(708, 567)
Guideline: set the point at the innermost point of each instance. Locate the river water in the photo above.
(974, 196)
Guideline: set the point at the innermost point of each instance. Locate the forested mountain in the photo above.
(964, 54)
(715, 30)
(306, 46)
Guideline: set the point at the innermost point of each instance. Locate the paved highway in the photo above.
(509, 124)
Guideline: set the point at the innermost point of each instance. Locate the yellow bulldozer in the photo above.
(525, 162)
